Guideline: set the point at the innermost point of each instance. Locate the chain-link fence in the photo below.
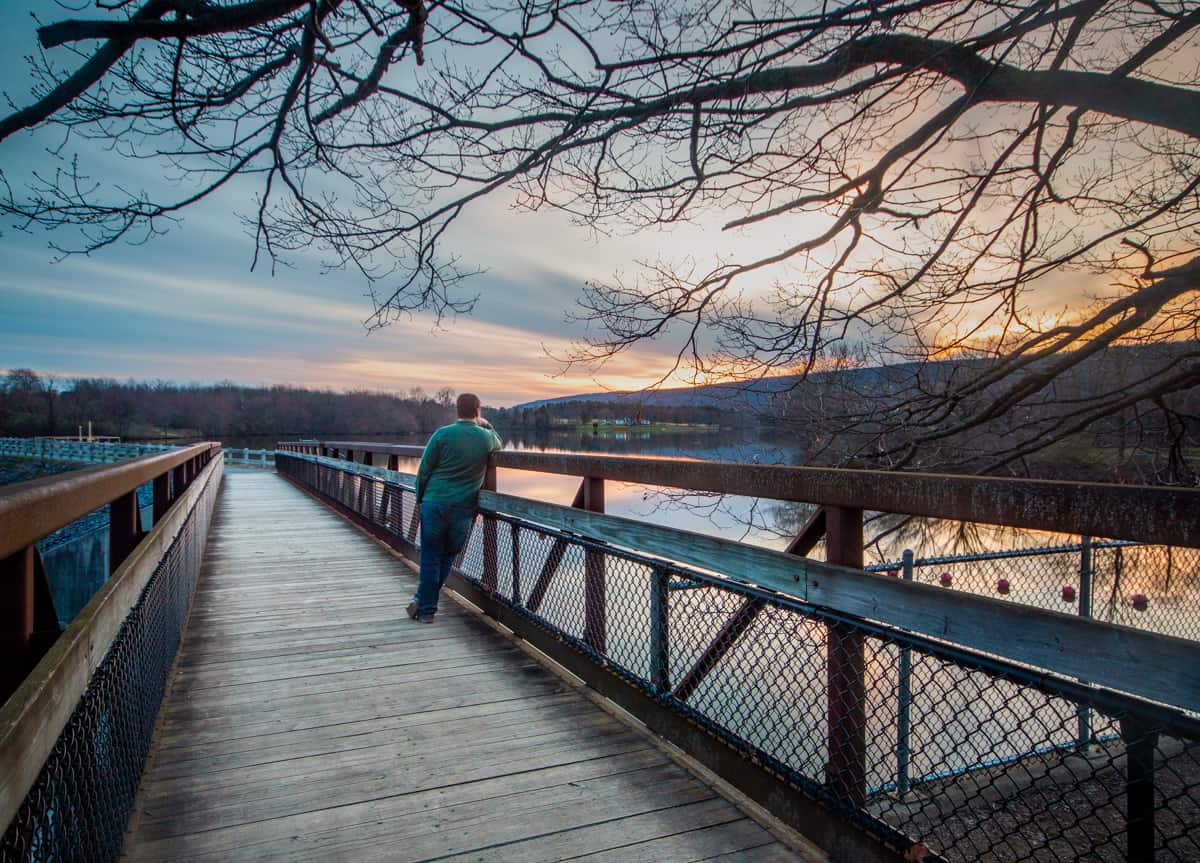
(78, 807)
(1150, 587)
(936, 750)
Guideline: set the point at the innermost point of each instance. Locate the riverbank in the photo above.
(609, 427)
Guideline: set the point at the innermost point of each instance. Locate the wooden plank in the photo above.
(316, 775)
(740, 840)
(554, 845)
(220, 807)
(1154, 666)
(498, 723)
(276, 838)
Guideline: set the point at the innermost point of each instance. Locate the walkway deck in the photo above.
(310, 719)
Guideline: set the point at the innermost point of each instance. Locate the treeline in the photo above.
(33, 404)
(555, 414)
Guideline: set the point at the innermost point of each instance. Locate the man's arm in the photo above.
(496, 442)
(429, 461)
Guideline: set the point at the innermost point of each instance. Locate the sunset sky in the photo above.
(187, 307)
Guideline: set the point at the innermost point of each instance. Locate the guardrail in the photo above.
(924, 719)
(243, 457)
(75, 732)
(55, 449)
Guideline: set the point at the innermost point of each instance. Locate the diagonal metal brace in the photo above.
(553, 560)
(745, 614)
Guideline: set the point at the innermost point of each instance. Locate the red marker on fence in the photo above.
(1141, 602)
(946, 579)
(1002, 586)
(1068, 593)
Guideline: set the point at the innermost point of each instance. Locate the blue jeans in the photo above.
(445, 528)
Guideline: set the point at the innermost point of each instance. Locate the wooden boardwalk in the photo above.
(309, 719)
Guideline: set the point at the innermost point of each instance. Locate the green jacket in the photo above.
(454, 463)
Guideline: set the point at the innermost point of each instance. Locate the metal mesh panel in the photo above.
(916, 740)
(1150, 587)
(78, 806)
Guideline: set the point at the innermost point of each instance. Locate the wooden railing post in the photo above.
(124, 528)
(16, 601)
(846, 771)
(28, 623)
(490, 563)
(594, 590)
(162, 495)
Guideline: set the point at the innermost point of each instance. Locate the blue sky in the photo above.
(187, 307)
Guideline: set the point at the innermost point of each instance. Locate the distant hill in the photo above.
(898, 381)
(750, 395)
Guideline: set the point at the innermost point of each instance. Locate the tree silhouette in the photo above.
(927, 172)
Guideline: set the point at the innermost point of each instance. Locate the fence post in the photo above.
(124, 529)
(660, 645)
(515, 539)
(490, 564)
(16, 599)
(1084, 736)
(594, 611)
(904, 699)
(846, 772)
(162, 495)
(1140, 742)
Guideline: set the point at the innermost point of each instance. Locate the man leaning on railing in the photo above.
(448, 482)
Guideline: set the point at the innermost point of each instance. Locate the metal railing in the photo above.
(96, 452)
(927, 721)
(243, 457)
(75, 731)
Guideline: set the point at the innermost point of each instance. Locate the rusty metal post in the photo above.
(490, 563)
(660, 638)
(515, 539)
(16, 599)
(162, 495)
(594, 589)
(124, 529)
(846, 771)
(393, 462)
(16, 618)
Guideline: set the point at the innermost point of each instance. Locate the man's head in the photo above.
(468, 406)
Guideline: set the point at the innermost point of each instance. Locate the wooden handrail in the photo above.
(34, 716)
(35, 509)
(1152, 514)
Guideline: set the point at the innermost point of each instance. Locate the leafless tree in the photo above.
(928, 172)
